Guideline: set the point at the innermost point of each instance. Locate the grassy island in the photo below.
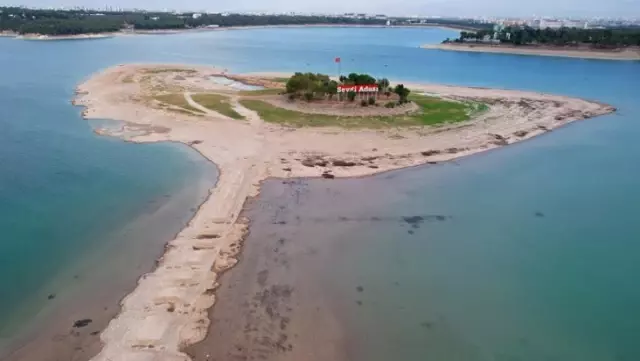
(182, 288)
(312, 99)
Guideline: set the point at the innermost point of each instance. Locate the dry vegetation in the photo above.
(176, 102)
(218, 103)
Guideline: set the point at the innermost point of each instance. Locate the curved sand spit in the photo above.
(168, 309)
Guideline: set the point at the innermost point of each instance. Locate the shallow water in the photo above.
(236, 85)
(468, 260)
(82, 216)
(535, 259)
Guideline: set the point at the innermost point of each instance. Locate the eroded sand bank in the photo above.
(168, 309)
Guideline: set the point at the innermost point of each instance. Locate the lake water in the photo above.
(535, 259)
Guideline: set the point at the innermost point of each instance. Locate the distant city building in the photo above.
(196, 15)
(557, 24)
(550, 24)
(511, 22)
(575, 24)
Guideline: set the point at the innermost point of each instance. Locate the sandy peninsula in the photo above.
(168, 309)
(628, 54)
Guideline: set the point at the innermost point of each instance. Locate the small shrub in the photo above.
(372, 101)
(390, 105)
(387, 94)
(292, 96)
(308, 96)
(351, 96)
(364, 103)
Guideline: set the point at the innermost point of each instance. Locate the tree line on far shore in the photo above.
(316, 86)
(596, 38)
(72, 22)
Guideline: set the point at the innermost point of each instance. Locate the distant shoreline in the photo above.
(626, 55)
(40, 37)
(206, 29)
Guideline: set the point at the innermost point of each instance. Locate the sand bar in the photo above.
(168, 309)
(630, 54)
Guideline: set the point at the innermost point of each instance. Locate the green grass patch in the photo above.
(437, 111)
(478, 108)
(178, 100)
(280, 80)
(270, 91)
(433, 111)
(218, 103)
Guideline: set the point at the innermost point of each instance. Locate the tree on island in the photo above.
(383, 84)
(358, 79)
(310, 86)
(403, 93)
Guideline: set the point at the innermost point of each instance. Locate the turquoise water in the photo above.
(74, 206)
(495, 282)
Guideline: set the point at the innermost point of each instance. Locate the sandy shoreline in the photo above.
(628, 55)
(65, 37)
(169, 308)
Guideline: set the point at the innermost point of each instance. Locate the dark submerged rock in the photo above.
(82, 323)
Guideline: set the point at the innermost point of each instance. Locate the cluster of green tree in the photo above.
(402, 92)
(358, 79)
(312, 86)
(68, 27)
(65, 22)
(598, 38)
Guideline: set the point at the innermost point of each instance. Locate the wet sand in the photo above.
(281, 301)
(271, 306)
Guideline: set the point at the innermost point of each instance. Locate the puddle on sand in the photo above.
(233, 83)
